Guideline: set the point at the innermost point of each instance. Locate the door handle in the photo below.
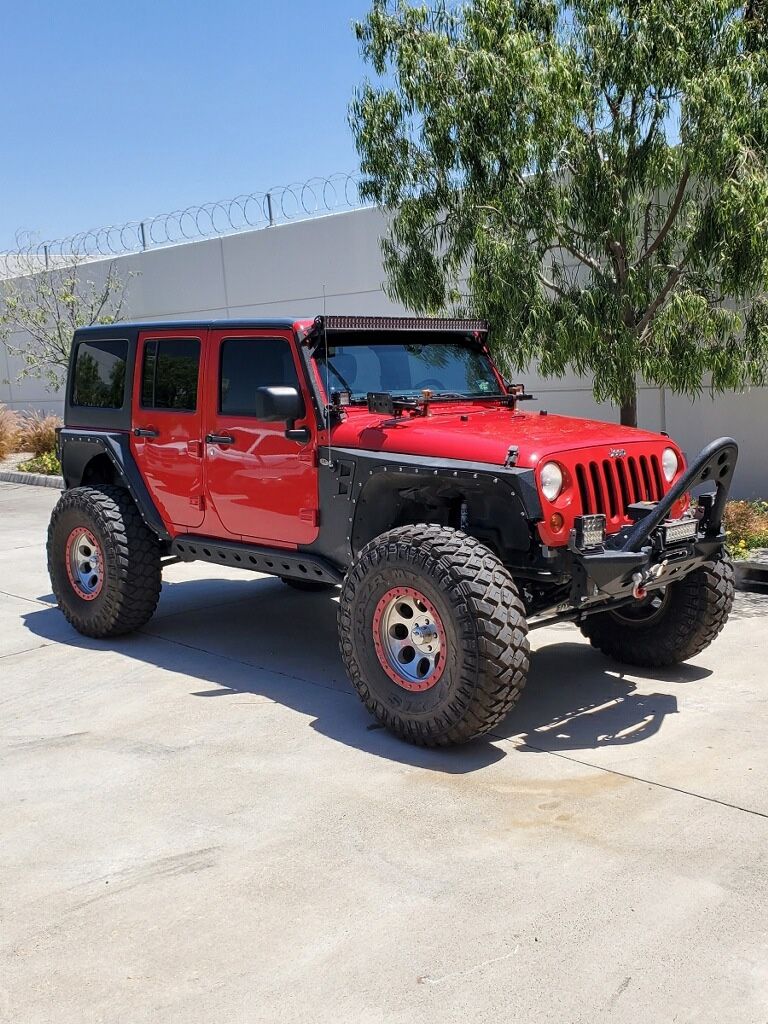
(146, 432)
(219, 439)
(300, 434)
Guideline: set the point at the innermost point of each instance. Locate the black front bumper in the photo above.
(637, 559)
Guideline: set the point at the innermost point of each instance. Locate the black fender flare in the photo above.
(354, 484)
(78, 447)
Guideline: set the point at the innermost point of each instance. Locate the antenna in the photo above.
(328, 421)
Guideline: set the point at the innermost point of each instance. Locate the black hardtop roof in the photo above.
(275, 323)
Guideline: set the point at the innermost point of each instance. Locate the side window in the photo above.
(250, 363)
(169, 374)
(99, 380)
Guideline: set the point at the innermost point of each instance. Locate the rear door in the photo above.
(166, 438)
(262, 485)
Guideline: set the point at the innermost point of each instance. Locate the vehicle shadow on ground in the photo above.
(259, 637)
(581, 700)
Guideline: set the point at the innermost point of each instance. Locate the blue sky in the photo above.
(114, 111)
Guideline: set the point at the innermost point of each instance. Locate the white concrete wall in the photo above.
(283, 271)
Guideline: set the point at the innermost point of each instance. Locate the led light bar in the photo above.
(400, 323)
(590, 531)
(678, 530)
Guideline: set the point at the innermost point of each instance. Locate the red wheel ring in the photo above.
(409, 638)
(85, 563)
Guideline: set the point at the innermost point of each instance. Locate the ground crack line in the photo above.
(425, 979)
(27, 650)
(637, 778)
(245, 664)
(30, 600)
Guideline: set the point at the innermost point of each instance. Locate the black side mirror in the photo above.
(278, 404)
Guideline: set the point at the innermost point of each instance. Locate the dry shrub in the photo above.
(746, 523)
(9, 431)
(38, 433)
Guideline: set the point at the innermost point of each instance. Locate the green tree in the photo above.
(46, 306)
(591, 176)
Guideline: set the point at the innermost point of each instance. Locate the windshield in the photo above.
(446, 368)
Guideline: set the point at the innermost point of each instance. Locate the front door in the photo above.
(262, 485)
(166, 439)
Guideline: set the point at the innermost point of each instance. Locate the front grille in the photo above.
(607, 487)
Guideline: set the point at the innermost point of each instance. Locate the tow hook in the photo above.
(640, 580)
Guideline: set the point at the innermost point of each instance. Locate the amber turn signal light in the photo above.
(556, 522)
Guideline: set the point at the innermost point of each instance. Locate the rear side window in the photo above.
(169, 374)
(99, 381)
(250, 363)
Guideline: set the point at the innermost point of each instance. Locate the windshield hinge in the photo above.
(512, 456)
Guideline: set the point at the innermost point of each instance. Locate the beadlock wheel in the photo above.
(103, 561)
(409, 638)
(433, 634)
(85, 564)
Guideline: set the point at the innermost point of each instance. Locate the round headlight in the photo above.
(669, 464)
(551, 477)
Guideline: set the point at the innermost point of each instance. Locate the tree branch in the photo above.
(647, 222)
(616, 249)
(673, 211)
(577, 253)
(650, 313)
(551, 285)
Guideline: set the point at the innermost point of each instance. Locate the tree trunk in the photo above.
(629, 408)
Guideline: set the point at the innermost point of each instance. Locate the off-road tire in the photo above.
(310, 586)
(697, 608)
(130, 556)
(487, 654)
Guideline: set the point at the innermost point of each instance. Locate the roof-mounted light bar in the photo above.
(399, 323)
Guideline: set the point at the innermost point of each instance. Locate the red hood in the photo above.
(476, 433)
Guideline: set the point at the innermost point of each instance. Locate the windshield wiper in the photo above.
(458, 397)
(448, 396)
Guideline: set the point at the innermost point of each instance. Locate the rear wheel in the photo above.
(103, 561)
(670, 625)
(433, 634)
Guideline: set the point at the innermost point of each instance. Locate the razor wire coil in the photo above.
(249, 211)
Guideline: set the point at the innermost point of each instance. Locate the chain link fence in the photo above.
(279, 205)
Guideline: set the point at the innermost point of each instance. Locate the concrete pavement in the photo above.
(200, 823)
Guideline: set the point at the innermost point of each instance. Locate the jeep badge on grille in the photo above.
(617, 453)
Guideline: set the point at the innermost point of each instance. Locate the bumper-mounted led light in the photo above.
(676, 531)
(589, 532)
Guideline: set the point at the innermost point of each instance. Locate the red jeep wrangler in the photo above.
(388, 456)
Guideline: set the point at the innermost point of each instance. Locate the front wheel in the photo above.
(670, 625)
(433, 634)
